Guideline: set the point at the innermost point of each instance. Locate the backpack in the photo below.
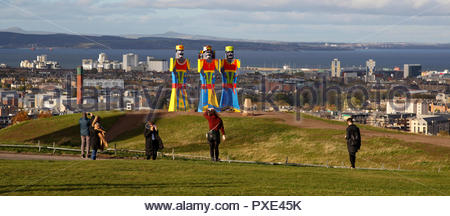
(354, 139)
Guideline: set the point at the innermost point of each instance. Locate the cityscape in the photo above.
(40, 86)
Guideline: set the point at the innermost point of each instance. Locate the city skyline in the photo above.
(353, 21)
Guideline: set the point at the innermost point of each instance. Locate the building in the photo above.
(443, 98)
(102, 58)
(403, 106)
(438, 108)
(103, 63)
(87, 64)
(130, 61)
(9, 98)
(370, 70)
(41, 62)
(412, 70)
(5, 120)
(79, 85)
(157, 65)
(104, 83)
(336, 68)
(431, 125)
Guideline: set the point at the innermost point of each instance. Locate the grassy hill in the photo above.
(63, 130)
(268, 140)
(178, 177)
(250, 138)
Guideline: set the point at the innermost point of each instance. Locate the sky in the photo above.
(424, 21)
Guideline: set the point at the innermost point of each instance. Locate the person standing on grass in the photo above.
(98, 135)
(353, 137)
(85, 123)
(151, 140)
(213, 135)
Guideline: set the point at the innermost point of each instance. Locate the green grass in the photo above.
(63, 130)
(167, 177)
(362, 126)
(267, 140)
(250, 138)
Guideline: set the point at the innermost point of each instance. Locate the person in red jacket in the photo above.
(213, 135)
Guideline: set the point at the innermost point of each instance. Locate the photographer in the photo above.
(213, 135)
(98, 136)
(152, 140)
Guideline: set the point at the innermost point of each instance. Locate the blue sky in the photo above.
(281, 20)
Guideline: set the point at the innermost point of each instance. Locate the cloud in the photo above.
(392, 7)
(291, 20)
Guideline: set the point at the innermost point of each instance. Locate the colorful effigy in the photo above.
(207, 65)
(179, 66)
(229, 69)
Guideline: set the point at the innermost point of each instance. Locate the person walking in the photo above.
(213, 135)
(151, 140)
(353, 137)
(84, 133)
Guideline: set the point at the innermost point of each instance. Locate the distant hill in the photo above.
(19, 40)
(22, 31)
(172, 34)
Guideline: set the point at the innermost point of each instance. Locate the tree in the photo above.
(20, 117)
(45, 114)
(317, 108)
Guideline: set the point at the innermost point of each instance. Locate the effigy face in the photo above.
(179, 54)
(207, 55)
(229, 55)
(207, 52)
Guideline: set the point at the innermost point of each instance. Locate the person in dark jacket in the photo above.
(213, 135)
(96, 132)
(353, 137)
(84, 133)
(151, 140)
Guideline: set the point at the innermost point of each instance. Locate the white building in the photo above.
(370, 70)
(41, 62)
(102, 58)
(41, 58)
(158, 65)
(130, 61)
(403, 106)
(104, 83)
(429, 125)
(116, 65)
(87, 64)
(101, 63)
(336, 68)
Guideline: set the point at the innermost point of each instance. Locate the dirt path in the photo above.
(26, 156)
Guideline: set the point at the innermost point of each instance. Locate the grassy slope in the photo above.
(266, 140)
(166, 177)
(64, 130)
(362, 126)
